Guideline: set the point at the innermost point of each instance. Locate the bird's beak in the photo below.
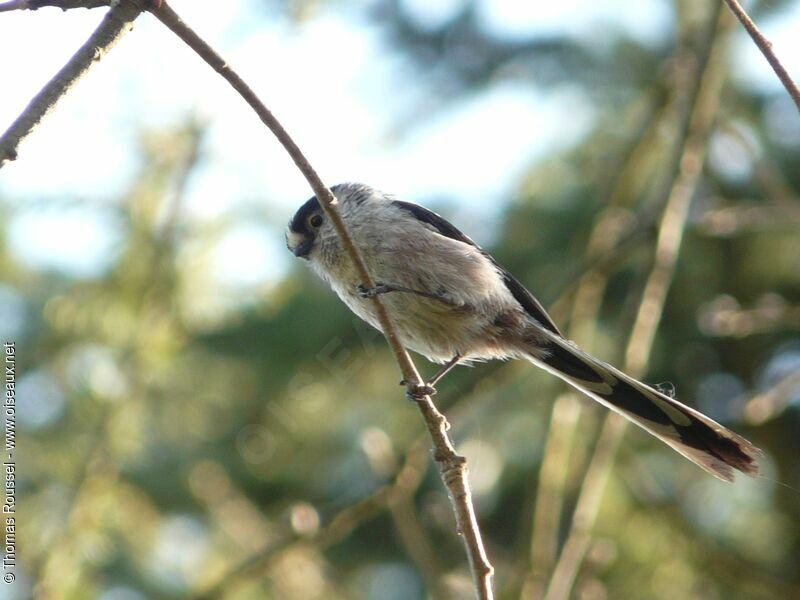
(299, 244)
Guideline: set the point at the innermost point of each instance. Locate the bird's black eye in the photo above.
(315, 220)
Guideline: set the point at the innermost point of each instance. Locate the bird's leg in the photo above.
(446, 368)
(385, 288)
(427, 389)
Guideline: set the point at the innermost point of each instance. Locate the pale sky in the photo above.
(86, 150)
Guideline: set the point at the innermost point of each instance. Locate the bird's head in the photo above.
(304, 228)
(310, 224)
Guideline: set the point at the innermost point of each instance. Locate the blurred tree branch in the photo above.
(157, 247)
(605, 238)
(748, 218)
(612, 232)
(704, 88)
(769, 404)
(725, 317)
(405, 483)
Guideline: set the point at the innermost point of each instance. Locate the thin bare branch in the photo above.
(117, 21)
(452, 466)
(14, 5)
(707, 86)
(766, 49)
(62, 4)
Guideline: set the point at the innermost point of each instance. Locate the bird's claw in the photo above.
(419, 391)
(366, 293)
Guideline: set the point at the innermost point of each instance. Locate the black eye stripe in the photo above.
(299, 222)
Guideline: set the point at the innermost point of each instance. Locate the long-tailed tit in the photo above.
(453, 303)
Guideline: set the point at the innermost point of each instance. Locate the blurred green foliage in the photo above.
(171, 448)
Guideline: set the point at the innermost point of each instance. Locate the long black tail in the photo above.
(700, 439)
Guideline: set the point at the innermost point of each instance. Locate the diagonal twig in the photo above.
(14, 5)
(62, 4)
(117, 21)
(766, 49)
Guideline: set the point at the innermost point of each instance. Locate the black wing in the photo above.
(527, 300)
(442, 225)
